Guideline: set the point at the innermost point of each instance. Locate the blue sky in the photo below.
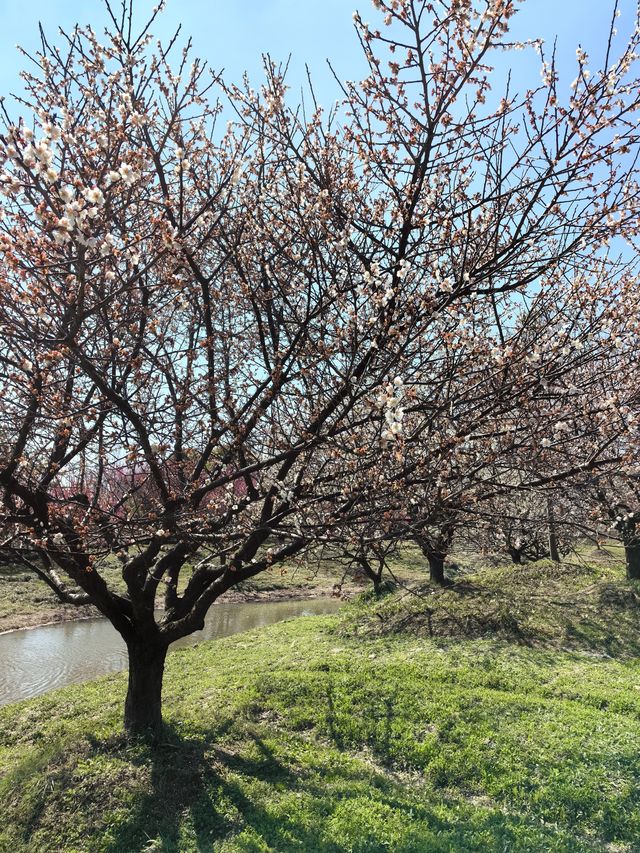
(233, 33)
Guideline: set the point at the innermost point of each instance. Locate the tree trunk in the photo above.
(515, 554)
(632, 557)
(436, 568)
(143, 705)
(554, 552)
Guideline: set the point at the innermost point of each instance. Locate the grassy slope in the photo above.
(356, 733)
(567, 606)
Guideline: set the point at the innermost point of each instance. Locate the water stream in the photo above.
(36, 660)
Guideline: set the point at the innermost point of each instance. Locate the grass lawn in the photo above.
(357, 732)
(567, 606)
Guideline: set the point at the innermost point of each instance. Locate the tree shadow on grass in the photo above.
(243, 786)
(203, 795)
(195, 799)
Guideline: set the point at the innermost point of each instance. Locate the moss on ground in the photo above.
(323, 734)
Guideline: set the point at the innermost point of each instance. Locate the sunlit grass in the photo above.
(319, 735)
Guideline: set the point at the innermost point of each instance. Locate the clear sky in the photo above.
(234, 33)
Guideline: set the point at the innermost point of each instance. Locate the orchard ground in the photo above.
(438, 721)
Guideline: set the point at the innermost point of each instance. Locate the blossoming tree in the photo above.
(212, 335)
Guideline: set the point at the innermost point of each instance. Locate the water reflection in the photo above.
(42, 659)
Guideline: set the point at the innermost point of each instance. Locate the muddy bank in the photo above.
(46, 616)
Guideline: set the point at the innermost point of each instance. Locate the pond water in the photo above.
(36, 660)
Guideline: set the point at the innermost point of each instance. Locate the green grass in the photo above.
(321, 734)
(584, 606)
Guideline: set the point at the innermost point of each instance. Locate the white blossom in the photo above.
(66, 193)
(128, 174)
(93, 195)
